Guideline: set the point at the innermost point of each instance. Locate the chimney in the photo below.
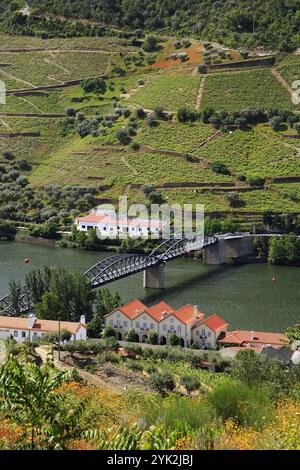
(195, 311)
(82, 319)
(31, 320)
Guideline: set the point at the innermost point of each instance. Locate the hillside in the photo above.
(65, 147)
(272, 24)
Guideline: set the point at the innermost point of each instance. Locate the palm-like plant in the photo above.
(30, 397)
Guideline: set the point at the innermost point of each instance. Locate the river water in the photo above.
(244, 296)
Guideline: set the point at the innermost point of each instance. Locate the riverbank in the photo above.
(243, 294)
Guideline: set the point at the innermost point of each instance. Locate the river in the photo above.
(244, 295)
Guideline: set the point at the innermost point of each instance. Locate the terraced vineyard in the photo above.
(161, 152)
(168, 91)
(235, 91)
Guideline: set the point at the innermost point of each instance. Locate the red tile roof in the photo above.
(242, 337)
(186, 314)
(45, 326)
(156, 311)
(215, 323)
(132, 309)
(105, 219)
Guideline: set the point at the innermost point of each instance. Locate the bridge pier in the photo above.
(228, 249)
(154, 278)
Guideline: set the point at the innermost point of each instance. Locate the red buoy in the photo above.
(26, 261)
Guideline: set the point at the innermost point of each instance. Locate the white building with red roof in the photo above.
(109, 225)
(30, 328)
(207, 332)
(165, 320)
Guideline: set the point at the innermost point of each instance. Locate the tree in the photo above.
(152, 337)
(174, 340)
(106, 301)
(15, 291)
(293, 334)
(109, 332)
(94, 85)
(131, 335)
(94, 327)
(30, 397)
(150, 44)
(55, 337)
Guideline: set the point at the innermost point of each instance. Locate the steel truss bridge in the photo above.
(116, 267)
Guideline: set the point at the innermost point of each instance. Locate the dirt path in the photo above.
(32, 105)
(56, 64)
(5, 124)
(200, 94)
(19, 80)
(129, 166)
(218, 133)
(282, 81)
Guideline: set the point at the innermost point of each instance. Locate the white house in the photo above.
(185, 321)
(31, 328)
(207, 332)
(110, 226)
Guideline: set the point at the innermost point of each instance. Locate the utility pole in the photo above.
(59, 338)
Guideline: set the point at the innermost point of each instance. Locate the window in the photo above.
(165, 327)
(178, 328)
(208, 333)
(197, 333)
(23, 334)
(118, 315)
(151, 326)
(172, 327)
(203, 332)
(172, 320)
(89, 227)
(16, 333)
(137, 324)
(35, 335)
(83, 226)
(145, 325)
(111, 322)
(145, 317)
(125, 323)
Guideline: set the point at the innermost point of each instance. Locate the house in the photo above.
(207, 332)
(30, 328)
(165, 320)
(254, 339)
(110, 226)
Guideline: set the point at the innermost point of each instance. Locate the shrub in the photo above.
(140, 113)
(256, 181)
(163, 382)
(221, 168)
(248, 406)
(135, 366)
(190, 383)
(110, 342)
(202, 69)
(235, 200)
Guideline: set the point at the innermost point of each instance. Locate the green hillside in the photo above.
(67, 147)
